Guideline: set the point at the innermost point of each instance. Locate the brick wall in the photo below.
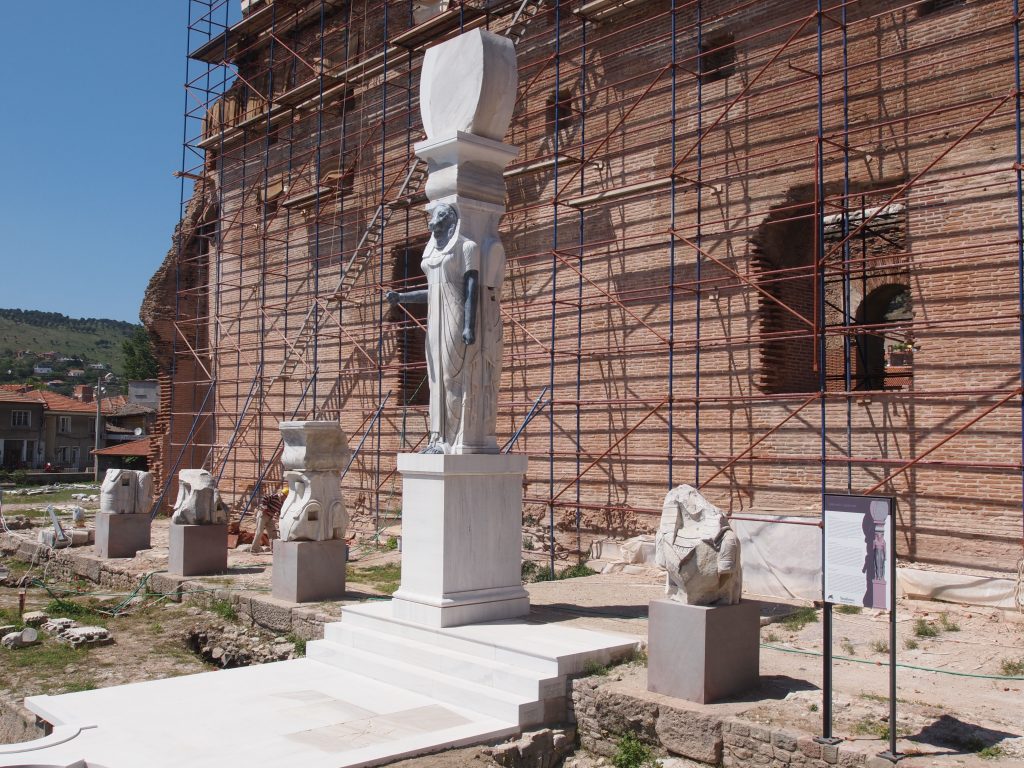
(663, 354)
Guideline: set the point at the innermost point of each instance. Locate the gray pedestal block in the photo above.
(121, 535)
(703, 653)
(309, 571)
(197, 550)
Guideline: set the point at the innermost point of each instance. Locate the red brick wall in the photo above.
(678, 326)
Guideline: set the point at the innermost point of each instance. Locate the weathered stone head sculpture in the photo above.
(698, 550)
(198, 501)
(126, 492)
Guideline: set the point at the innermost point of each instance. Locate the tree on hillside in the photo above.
(139, 362)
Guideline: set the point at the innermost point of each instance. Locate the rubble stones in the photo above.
(79, 636)
(58, 625)
(536, 749)
(35, 618)
(22, 639)
(69, 632)
(228, 647)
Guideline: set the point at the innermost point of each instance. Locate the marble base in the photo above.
(703, 653)
(120, 535)
(309, 571)
(197, 550)
(462, 539)
(880, 594)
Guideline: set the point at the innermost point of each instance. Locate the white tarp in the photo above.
(956, 588)
(781, 556)
(782, 559)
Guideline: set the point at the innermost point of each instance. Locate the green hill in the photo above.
(27, 337)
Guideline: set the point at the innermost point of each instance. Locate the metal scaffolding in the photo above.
(773, 250)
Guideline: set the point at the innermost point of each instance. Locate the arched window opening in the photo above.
(884, 351)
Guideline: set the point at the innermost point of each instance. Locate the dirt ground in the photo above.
(955, 706)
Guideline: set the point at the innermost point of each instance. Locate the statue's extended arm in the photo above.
(472, 300)
(408, 297)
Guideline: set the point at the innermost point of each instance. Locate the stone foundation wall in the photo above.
(603, 711)
(17, 724)
(67, 564)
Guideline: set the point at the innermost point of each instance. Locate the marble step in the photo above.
(547, 649)
(469, 667)
(482, 699)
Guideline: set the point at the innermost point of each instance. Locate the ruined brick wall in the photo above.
(665, 355)
(174, 312)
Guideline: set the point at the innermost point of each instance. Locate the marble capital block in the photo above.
(703, 653)
(119, 535)
(461, 539)
(197, 550)
(309, 571)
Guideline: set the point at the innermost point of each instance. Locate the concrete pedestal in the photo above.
(462, 539)
(197, 550)
(703, 653)
(120, 535)
(309, 571)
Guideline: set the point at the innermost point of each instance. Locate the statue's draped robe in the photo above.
(450, 362)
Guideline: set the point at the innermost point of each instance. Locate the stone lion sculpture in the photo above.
(698, 550)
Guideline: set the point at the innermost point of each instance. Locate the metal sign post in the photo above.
(858, 558)
(891, 754)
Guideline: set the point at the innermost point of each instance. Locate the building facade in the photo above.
(769, 249)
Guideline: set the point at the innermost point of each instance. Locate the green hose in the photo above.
(885, 664)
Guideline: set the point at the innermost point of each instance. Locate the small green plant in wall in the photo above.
(630, 752)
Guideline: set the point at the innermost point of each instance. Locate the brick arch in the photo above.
(869, 360)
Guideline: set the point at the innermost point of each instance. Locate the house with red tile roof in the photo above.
(39, 428)
(21, 430)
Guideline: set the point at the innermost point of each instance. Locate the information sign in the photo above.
(858, 549)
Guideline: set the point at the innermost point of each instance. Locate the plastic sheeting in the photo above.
(781, 557)
(956, 587)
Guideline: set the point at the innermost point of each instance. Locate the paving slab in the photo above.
(298, 712)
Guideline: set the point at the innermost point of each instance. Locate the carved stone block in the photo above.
(198, 501)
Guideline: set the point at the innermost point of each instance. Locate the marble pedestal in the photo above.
(703, 653)
(462, 539)
(309, 571)
(120, 535)
(197, 550)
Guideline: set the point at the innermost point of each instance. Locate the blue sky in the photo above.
(91, 132)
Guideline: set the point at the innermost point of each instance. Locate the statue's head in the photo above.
(443, 220)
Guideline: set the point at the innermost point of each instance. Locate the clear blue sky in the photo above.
(91, 132)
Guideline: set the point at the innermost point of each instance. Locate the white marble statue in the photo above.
(198, 501)
(314, 456)
(464, 335)
(698, 550)
(467, 94)
(126, 492)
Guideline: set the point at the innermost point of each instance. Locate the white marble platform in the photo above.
(298, 712)
(374, 690)
(514, 669)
